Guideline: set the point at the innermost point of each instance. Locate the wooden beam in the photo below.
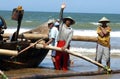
(39, 36)
(35, 36)
(8, 52)
(38, 46)
(84, 38)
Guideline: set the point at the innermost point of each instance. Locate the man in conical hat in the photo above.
(103, 44)
(64, 38)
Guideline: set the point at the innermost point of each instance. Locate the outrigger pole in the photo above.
(38, 46)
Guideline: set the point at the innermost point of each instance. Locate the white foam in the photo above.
(84, 50)
(28, 21)
(92, 51)
(94, 33)
(95, 23)
(76, 32)
(12, 30)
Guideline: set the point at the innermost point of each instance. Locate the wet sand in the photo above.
(38, 73)
(80, 65)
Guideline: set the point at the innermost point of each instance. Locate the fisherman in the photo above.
(2, 27)
(64, 38)
(103, 44)
(53, 34)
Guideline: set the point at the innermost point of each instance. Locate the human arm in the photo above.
(103, 31)
(61, 11)
(61, 19)
(50, 41)
(99, 32)
(52, 36)
(106, 30)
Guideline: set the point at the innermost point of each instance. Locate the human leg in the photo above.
(107, 56)
(99, 53)
(58, 57)
(66, 60)
(53, 57)
(58, 60)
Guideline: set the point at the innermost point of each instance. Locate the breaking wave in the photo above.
(93, 33)
(92, 51)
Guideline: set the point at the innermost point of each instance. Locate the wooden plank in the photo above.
(8, 52)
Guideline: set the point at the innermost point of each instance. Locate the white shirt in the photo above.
(53, 33)
(65, 33)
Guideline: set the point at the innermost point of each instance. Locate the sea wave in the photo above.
(94, 33)
(12, 30)
(76, 32)
(95, 23)
(92, 51)
(28, 21)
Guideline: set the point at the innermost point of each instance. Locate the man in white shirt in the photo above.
(53, 34)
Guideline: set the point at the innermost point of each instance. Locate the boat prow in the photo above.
(31, 57)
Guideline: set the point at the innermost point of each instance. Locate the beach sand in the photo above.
(79, 65)
(44, 73)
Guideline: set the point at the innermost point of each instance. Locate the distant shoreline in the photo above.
(67, 12)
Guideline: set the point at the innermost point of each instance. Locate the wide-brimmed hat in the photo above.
(69, 18)
(104, 19)
(19, 8)
(51, 21)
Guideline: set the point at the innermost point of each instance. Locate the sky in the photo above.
(79, 6)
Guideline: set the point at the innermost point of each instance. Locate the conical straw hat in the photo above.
(104, 19)
(66, 18)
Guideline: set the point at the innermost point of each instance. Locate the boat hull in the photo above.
(29, 58)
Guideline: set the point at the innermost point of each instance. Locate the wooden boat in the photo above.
(29, 58)
(33, 56)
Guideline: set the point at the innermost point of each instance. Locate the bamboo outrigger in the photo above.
(39, 36)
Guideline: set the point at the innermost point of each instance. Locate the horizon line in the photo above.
(67, 12)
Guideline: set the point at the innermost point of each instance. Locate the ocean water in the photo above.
(86, 24)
